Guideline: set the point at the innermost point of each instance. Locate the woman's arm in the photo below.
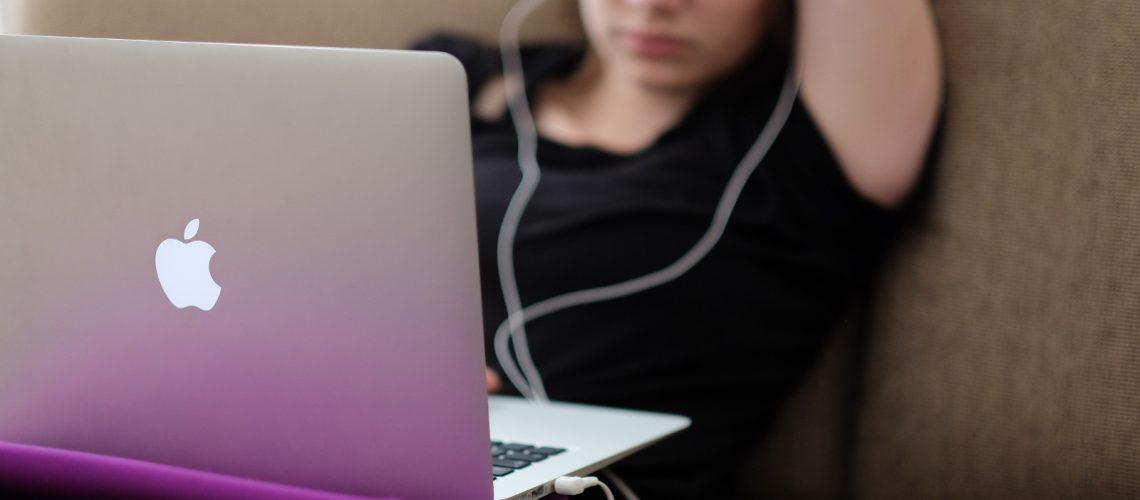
(872, 79)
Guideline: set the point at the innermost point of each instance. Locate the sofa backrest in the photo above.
(1004, 358)
(334, 23)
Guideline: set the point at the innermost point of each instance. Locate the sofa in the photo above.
(998, 356)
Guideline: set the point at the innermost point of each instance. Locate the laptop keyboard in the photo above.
(509, 457)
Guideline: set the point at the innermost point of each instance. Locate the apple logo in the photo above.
(184, 271)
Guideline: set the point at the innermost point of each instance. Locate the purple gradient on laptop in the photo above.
(345, 352)
(280, 394)
(46, 472)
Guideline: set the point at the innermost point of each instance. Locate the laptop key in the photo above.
(547, 450)
(528, 457)
(513, 464)
(501, 471)
(516, 447)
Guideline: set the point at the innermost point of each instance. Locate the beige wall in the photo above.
(8, 14)
(343, 23)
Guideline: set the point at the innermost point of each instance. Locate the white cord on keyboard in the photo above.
(574, 486)
(618, 483)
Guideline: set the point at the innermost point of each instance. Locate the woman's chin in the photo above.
(665, 79)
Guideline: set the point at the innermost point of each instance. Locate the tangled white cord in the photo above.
(525, 377)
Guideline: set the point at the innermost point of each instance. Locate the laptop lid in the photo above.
(259, 261)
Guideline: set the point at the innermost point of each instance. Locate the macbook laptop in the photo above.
(261, 261)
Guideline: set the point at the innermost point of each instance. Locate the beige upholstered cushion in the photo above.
(805, 456)
(1005, 358)
(337, 23)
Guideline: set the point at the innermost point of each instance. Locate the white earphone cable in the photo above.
(528, 163)
(526, 377)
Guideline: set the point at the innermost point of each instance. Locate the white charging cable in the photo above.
(525, 377)
(618, 483)
(573, 486)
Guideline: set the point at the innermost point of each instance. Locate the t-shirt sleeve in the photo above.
(815, 170)
(479, 61)
(819, 202)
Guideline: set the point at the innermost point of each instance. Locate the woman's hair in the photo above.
(780, 16)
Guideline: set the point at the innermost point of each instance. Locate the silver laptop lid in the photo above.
(336, 342)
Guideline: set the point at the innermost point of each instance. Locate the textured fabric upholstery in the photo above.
(1003, 355)
(336, 23)
(806, 455)
(1004, 358)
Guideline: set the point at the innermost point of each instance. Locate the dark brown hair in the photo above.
(780, 16)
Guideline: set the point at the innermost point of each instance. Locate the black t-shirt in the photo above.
(727, 342)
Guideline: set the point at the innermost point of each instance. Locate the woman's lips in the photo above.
(652, 44)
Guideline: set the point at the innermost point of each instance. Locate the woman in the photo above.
(638, 134)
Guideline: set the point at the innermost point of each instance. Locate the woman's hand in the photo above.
(493, 382)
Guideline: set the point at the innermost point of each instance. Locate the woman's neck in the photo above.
(599, 107)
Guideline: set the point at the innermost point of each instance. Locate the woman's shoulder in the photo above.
(483, 64)
(480, 61)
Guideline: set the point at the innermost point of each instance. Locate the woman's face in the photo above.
(673, 45)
